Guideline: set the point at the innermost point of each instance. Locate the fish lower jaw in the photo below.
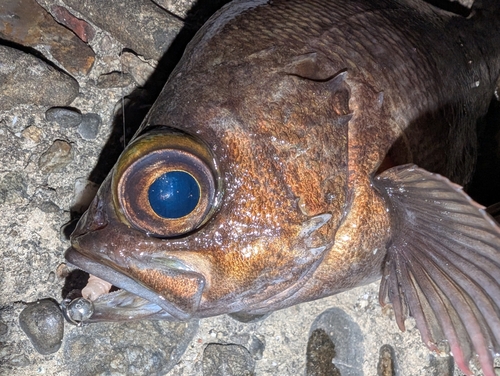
(132, 301)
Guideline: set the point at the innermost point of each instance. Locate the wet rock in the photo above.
(43, 323)
(139, 69)
(387, 361)
(81, 28)
(65, 117)
(114, 79)
(56, 157)
(89, 127)
(347, 338)
(25, 79)
(27, 23)
(140, 25)
(227, 360)
(320, 354)
(128, 348)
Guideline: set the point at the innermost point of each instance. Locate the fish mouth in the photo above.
(134, 300)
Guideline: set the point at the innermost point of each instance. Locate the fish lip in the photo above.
(124, 282)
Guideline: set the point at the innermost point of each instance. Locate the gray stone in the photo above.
(128, 348)
(227, 360)
(43, 323)
(121, 18)
(65, 117)
(25, 79)
(56, 157)
(89, 127)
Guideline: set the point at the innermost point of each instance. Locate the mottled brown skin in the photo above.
(300, 103)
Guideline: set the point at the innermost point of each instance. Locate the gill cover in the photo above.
(166, 183)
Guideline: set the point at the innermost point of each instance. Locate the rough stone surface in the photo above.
(121, 17)
(227, 360)
(25, 79)
(27, 23)
(43, 323)
(134, 348)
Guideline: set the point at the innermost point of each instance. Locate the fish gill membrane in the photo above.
(287, 109)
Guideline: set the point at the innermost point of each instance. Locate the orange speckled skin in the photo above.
(300, 102)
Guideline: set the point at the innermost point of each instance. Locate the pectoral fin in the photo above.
(443, 264)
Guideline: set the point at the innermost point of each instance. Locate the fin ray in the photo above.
(443, 264)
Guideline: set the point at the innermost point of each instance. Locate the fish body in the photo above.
(286, 134)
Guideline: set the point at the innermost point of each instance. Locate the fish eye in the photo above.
(174, 194)
(166, 183)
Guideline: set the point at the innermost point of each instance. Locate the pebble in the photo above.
(43, 323)
(227, 360)
(27, 23)
(89, 127)
(346, 337)
(127, 348)
(57, 157)
(81, 28)
(139, 69)
(387, 361)
(65, 117)
(121, 17)
(320, 354)
(25, 79)
(114, 79)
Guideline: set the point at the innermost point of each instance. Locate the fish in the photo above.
(300, 149)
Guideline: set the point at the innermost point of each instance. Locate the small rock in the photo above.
(114, 79)
(25, 79)
(386, 362)
(81, 28)
(227, 360)
(139, 69)
(89, 127)
(52, 277)
(49, 207)
(43, 323)
(56, 157)
(320, 354)
(140, 25)
(33, 133)
(27, 23)
(347, 338)
(65, 117)
(19, 361)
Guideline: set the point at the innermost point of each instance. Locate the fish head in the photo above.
(230, 194)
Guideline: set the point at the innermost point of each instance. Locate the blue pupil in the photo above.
(174, 194)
